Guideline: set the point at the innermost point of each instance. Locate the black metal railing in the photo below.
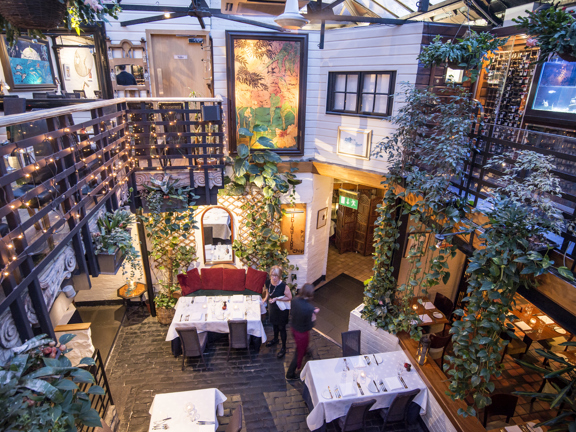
(100, 403)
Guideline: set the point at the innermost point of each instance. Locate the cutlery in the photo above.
(337, 391)
(181, 317)
(330, 391)
(360, 387)
(376, 386)
(402, 379)
(163, 420)
(367, 360)
(206, 422)
(383, 386)
(375, 360)
(346, 364)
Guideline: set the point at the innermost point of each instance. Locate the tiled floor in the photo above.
(351, 263)
(141, 365)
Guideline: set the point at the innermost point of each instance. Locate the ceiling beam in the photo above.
(146, 8)
(216, 13)
(153, 18)
(331, 17)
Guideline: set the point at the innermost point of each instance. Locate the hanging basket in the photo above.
(33, 14)
(165, 316)
(567, 56)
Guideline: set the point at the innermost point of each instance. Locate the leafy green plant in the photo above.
(259, 169)
(114, 234)
(167, 188)
(166, 232)
(40, 393)
(424, 153)
(506, 261)
(467, 53)
(554, 30)
(564, 400)
(78, 13)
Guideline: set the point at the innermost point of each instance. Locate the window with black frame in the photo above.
(361, 93)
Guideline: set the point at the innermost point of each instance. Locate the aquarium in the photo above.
(556, 91)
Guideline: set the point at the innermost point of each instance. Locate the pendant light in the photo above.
(291, 19)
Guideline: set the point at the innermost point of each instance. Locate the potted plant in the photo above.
(467, 53)
(165, 302)
(113, 243)
(553, 30)
(40, 389)
(37, 15)
(163, 195)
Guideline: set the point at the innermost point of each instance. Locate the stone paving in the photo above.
(141, 365)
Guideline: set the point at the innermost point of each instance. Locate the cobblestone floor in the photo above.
(141, 365)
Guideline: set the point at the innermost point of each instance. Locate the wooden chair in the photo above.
(438, 346)
(515, 346)
(355, 418)
(351, 343)
(502, 404)
(397, 412)
(238, 337)
(235, 424)
(193, 343)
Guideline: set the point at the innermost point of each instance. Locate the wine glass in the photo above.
(400, 368)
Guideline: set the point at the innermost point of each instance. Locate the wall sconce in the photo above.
(423, 348)
(291, 19)
(294, 211)
(455, 76)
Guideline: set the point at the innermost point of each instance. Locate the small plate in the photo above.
(371, 387)
(326, 394)
(437, 315)
(560, 330)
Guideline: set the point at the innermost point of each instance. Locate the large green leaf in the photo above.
(265, 142)
(64, 339)
(243, 151)
(43, 387)
(245, 132)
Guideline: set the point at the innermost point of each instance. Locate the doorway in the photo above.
(180, 63)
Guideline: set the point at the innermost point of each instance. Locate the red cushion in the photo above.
(233, 279)
(190, 281)
(212, 278)
(255, 280)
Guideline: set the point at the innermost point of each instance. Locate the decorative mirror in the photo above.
(217, 236)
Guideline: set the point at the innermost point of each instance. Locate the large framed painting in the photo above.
(267, 90)
(28, 64)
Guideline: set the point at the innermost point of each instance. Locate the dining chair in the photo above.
(355, 418)
(235, 424)
(438, 345)
(444, 305)
(502, 404)
(515, 346)
(238, 337)
(351, 343)
(193, 343)
(397, 412)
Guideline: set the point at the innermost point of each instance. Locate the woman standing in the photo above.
(278, 295)
(303, 316)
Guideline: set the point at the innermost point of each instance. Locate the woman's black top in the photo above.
(277, 316)
(302, 312)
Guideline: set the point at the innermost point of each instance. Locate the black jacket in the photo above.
(301, 312)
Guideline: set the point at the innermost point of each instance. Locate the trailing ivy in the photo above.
(512, 255)
(259, 169)
(425, 152)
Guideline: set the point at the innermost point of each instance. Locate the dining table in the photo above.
(536, 326)
(334, 384)
(428, 314)
(206, 313)
(522, 427)
(187, 411)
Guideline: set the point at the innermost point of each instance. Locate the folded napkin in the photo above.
(238, 314)
(513, 429)
(200, 299)
(357, 362)
(522, 325)
(429, 305)
(425, 318)
(238, 299)
(196, 316)
(393, 383)
(348, 388)
(546, 319)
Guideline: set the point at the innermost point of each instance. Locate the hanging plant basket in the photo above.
(110, 263)
(569, 57)
(165, 315)
(33, 14)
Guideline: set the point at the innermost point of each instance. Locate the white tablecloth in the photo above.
(217, 319)
(320, 374)
(173, 405)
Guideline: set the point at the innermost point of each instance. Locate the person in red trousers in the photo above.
(303, 317)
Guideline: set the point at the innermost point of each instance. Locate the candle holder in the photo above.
(533, 321)
(415, 306)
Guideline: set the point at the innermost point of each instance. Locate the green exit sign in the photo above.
(348, 202)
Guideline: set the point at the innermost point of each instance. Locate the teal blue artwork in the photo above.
(29, 63)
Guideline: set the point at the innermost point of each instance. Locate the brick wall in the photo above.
(376, 340)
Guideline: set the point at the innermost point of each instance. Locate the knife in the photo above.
(402, 379)
(360, 387)
(330, 391)
(376, 386)
(383, 386)
(181, 317)
(206, 422)
(346, 364)
(375, 360)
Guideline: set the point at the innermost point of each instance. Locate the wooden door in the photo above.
(365, 219)
(345, 228)
(178, 66)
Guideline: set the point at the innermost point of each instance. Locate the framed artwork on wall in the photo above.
(354, 142)
(267, 90)
(28, 64)
(322, 218)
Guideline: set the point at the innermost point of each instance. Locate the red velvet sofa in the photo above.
(222, 281)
